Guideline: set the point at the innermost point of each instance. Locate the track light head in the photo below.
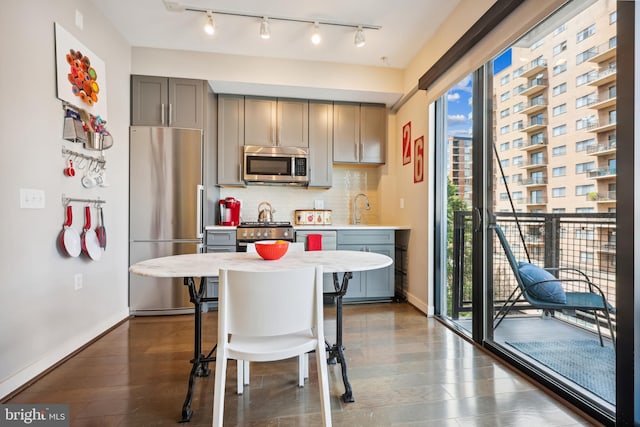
(359, 40)
(210, 26)
(265, 31)
(316, 38)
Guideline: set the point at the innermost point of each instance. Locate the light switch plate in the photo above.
(31, 198)
(318, 204)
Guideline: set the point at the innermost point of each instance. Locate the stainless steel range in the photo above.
(249, 232)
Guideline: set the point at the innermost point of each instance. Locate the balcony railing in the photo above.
(602, 148)
(537, 180)
(608, 196)
(601, 172)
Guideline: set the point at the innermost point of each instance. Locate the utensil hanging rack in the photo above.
(66, 200)
(99, 160)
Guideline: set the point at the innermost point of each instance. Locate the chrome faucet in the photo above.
(357, 219)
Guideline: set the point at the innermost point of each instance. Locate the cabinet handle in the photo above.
(361, 151)
(170, 109)
(199, 194)
(162, 113)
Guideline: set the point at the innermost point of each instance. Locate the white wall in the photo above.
(42, 317)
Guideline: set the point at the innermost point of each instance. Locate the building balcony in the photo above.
(602, 103)
(535, 67)
(606, 51)
(535, 124)
(605, 76)
(534, 164)
(602, 149)
(534, 106)
(535, 182)
(534, 87)
(597, 127)
(606, 197)
(602, 173)
(532, 145)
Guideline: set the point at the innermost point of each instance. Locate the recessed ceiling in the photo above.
(406, 26)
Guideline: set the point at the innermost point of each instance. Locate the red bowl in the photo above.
(271, 251)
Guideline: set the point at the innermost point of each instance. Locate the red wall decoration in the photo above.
(406, 144)
(418, 164)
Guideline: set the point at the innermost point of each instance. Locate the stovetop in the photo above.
(254, 224)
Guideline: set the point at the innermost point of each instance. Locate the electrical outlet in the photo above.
(77, 281)
(79, 19)
(318, 204)
(401, 203)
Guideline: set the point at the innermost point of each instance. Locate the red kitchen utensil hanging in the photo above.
(69, 239)
(90, 243)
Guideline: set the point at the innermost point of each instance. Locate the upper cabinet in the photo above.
(278, 122)
(163, 101)
(359, 132)
(320, 144)
(230, 139)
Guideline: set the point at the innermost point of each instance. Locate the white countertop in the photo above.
(326, 227)
(208, 265)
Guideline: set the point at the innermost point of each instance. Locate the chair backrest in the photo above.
(513, 262)
(270, 303)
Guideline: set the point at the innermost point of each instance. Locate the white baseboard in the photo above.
(57, 354)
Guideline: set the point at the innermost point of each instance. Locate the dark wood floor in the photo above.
(405, 370)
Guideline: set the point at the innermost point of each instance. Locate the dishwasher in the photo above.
(329, 239)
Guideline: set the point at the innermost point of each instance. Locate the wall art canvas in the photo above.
(80, 74)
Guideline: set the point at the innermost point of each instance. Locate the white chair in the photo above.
(267, 316)
(303, 360)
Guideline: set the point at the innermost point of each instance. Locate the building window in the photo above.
(558, 210)
(504, 129)
(585, 234)
(586, 100)
(613, 17)
(561, 88)
(505, 96)
(582, 190)
(518, 71)
(560, 109)
(560, 68)
(505, 79)
(517, 143)
(537, 158)
(559, 130)
(537, 44)
(559, 48)
(559, 192)
(517, 161)
(586, 257)
(585, 167)
(519, 89)
(560, 29)
(504, 146)
(504, 163)
(585, 210)
(537, 138)
(518, 125)
(559, 171)
(585, 122)
(585, 144)
(517, 178)
(587, 77)
(504, 113)
(559, 151)
(586, 55)
(517, 195)
(586, 33)
(518, 107)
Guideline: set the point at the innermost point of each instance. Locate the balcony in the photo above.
(597, 127)
(535, 181)
(604, 77)
(606, 197)
(535, 124)
(534, 163)
(535, 105)
(603, 149)
(602, 173)
(534, 144)
(535, 67)
(606, 51)
(602, 103)
(534, 86)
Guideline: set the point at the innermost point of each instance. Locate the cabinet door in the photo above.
(380, 283)
(373, 133)
(230, 139)
(259, 121)
(186, 98)
(346, 132)
(293, 123)
(149, 100)
(321, 144)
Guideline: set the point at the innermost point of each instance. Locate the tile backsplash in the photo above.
(347, 182)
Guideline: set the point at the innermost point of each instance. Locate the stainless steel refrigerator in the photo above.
(165, 211)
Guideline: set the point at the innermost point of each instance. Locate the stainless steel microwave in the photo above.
(276, 165)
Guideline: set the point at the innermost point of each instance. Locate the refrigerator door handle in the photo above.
(199, 194)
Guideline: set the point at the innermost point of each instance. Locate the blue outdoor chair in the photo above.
(543, 290)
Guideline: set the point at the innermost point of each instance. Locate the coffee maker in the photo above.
(229, 211)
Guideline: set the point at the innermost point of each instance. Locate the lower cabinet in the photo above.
(372, 284)
(217, 241)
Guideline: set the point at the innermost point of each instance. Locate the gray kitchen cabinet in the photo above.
(359, 133)
(276, 122)
(217, 241)
(163, 101)
(321, 144)
(373, 284)
(230, 139)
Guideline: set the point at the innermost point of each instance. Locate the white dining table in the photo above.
(193, 266)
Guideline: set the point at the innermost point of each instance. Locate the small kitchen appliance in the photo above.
(229, 211)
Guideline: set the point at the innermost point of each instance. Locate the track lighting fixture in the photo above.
(359, 40)
(316, 38)
(265, 31)
(209, 27)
